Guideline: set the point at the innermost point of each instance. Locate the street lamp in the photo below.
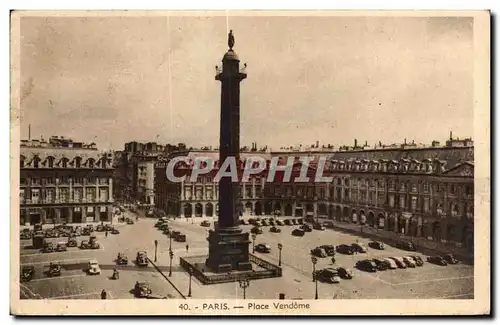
(244, 284)
(280, 247)
(187, 248)
(314, 260)
(254, 236)
(171, 253)
(170, 242)
(156, 249)
(190, 276)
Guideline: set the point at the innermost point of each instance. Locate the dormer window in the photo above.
(78, 162)
(50, 162)
(64, 163)
(36, 161)
(91, 163)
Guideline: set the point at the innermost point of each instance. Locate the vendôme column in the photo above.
(228, 245)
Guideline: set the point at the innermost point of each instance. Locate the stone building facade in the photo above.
(64, 181)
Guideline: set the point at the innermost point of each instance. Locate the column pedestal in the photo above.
(228, 250)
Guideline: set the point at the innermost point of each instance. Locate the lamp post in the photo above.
(244, 284)
(156, 249)
(280, 247)
(254, 236)
(170, 242)
(190, 276)
(187, 248)
(171, 253)
(314, 260)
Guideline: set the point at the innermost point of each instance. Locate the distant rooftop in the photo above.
(57, 142)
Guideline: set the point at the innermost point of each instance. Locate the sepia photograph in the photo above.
(250, 162)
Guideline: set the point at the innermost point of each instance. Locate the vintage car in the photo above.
(93, 243)
(256, 230)
(288, 222)
(376, 245)
(159, 223)
(298, 232)
(174, 233)
(294, 222)
(93, 268)
(360, 248)
(100, 228)
(450, 259)
(115, 231)
(438, 260)
(329, 249)
(366, 265)
(205, 223)
(142, 289)
(381, 264)
(243, 222)
(166, 231)
(264, 222)
(130, 221)
(51, 233)
(328, 275)
(318, 252)
(279, 223)
(26, 234)
(54, 269)
(27, 273)
(122, 259)
(272, 222)
(390, 263)
(318, 226)
(407, 246)
(275, 229)
(108, 227)
(409, 261)
(84, 244)
(399, 262)
(345, 273)
(72, 241)
(49, 247)
(78, 231)
(306, 228)
(344, 249)
(263, 248)
(86, 231)
(181, 238)
(300, 221)
(61, 247)
(418, 260)
(328, 224)
(141, 259)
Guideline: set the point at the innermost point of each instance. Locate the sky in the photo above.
(112, 80)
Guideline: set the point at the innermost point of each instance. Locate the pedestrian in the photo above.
(104, 294)
(106, 234)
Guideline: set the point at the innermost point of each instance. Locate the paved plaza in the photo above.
(428, 281)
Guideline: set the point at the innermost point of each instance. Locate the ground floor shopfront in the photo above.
(65, 214)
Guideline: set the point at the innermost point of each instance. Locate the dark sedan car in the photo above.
(450, 259)
(438, 260)
(344, 249)
(381, 264)
(357, 247)
(274, 229)
(329, 249)
(27, 273)
(306, 228)
(376, 245)
(279, 223)
(345, 273)
(366, 265)
(263, 248)
(418, 260)
(407, 246)
(298, 232)
(256, 230)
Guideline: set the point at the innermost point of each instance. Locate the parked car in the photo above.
(407, 246)
(438, 260)
(141, 259)
(264, 223)
(256, 230)
(257, 223)
(360, 248)
(288, 222)
(174, 233)
(329, 275)
(274, 229)
(300, 221)
(243, 222)
(115, 231)
(26, 234)
(294, 222)
(49, 247)
(381, 264)
(306, 228)
(86, 231)
(122, 259)
(263, 248)
(391, 263)
(298, 232)
(142, 289)
(328, 224)
(27, 273)
(108, 227)
(366, 265)
(376, 245)
(399, 262)
(93, 243)
(54, 269)
(318, 252)
(72, 241)
(251, 221)
(100, 228)
(344, 249)
(329, 249)
(130, 221)
(345, 273)
(93, 268)
(272, 222)
(166, 232)
(61, 247)
(450, 259)
(181, 238)
(279, 223)
(158, 223)
(84, 244)
(409, 261)
(418, 260)
(318, 226)
(51, 233)
(205, 223)
(163, 226)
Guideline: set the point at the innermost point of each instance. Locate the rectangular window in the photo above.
(402, 203)
(426, 205)
(414, 187)
(21, 196)
(414, 202)
(35, 181)
(49, 196)
(35, 195)
(426, 187)
(391, 201)
(90, 194)
(103, 195)
(63, 195)
(77, 195)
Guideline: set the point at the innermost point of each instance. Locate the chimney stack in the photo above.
(317, 144)
(405, 141)
(451, 135)
(355, 143)
(366, 143)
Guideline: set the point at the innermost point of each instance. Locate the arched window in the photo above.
(50, 162)
(36, 161)
(64, 163)
(91, 163)
(78, 162)
(21, 161)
